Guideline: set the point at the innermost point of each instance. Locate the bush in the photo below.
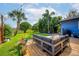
(7, 30)
(24, 26)
(35, 27)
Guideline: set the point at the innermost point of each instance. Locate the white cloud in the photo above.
(38, 10)
(35, 13)
(76, 6)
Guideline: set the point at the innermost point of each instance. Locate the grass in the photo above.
(5, 48)
(42, 34)
(8, 48)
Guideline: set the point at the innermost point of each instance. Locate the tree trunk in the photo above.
(18, 26)
(24, 31)
(1, 30)
(48, 25)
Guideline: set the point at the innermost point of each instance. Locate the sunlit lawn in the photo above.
(6, 48)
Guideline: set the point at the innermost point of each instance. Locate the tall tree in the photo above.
(73, 13)
(54, 24)
(17, 15)
(48, 15)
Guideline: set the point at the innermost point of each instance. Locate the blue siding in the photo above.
(70, 25)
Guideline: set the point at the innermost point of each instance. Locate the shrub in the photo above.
(24, 26)
(7, 30)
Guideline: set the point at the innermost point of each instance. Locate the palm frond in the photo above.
(17, 14)
(52, 13)
(23, 16)
(11, 14)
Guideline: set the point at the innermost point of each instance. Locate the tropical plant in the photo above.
(47, 23)
(54, 25)
(35, 27)
(7, 30)
(24, 26)
(47, 16)
(40, 25)
(17, 15)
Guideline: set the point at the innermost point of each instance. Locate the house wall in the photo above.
(73, 26)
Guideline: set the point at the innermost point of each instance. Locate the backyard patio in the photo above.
(33, 50)
(50, 35)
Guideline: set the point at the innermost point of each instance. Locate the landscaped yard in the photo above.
(9, 48)
(18, 25)
(19, 30)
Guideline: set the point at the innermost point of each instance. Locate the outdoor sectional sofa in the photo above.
(52, 44)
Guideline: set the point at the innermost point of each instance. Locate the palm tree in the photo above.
(17, 15)
(48, 16)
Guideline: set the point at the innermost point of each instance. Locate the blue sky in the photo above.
(34, 11)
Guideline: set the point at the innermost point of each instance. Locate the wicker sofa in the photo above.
(52, 44)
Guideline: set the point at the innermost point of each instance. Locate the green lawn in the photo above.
(8, 48)
(42, 34)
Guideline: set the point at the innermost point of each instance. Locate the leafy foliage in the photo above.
(35, 27)
(17, 15)
(24, 26)
(10, 48)
(47, 16)
(7, 30)
(48, 24)
(73, 13)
